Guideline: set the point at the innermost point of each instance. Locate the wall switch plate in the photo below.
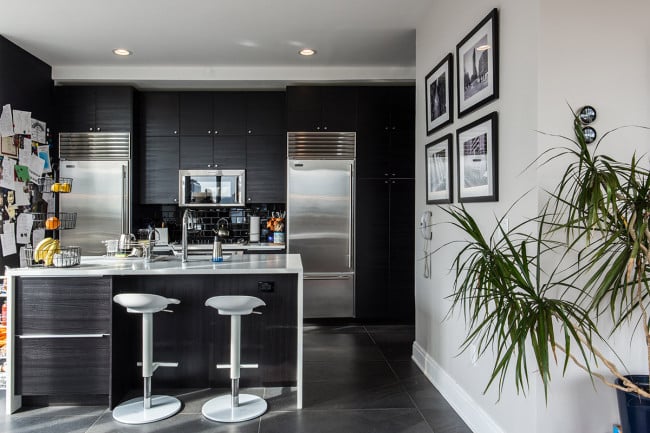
(266, 286)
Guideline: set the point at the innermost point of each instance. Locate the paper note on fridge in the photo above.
(8, 239)
(6, 122)
(22, 122)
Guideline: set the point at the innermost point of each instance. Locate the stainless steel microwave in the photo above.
(211, 188)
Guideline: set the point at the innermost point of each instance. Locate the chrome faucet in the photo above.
(151, 241)
(186, 223)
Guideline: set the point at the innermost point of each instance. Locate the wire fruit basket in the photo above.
(53, 221)
(63, 257)
(46, 184)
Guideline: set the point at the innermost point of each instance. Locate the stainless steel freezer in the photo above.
(320, 219)
(99, 166)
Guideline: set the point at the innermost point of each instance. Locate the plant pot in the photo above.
(633, 409)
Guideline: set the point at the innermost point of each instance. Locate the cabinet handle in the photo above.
(394, 128)
(209, 132)
(392, 174)
(250, 199)
(385, 174)
(38, 336)
(209, 165)
(175, 132)
(90, 129)
(386, 128)
(325, 128)
(393, 181)
(318, 128)
(216, 132)
(175, 200)
(250, 131)
(98, 129)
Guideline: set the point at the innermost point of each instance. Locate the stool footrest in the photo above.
(155, 365)
(240, 366)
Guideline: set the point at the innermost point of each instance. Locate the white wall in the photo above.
(552, 53)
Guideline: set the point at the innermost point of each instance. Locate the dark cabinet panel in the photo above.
(266, 113)
(385, 243)
(229, 113)
(160, 113)
(196, 113)
(330, 108)
(386, 134)
(159, 170)
(195, 152)
(266, 169)
(229, 152)
(94, 108)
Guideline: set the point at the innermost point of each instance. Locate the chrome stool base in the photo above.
(220, 408)
(133, 411)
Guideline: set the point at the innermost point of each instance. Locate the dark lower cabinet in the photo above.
(63, 337)
(384, 286)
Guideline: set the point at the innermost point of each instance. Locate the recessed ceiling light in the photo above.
(307, 52)
(483, 48)
(121, 52)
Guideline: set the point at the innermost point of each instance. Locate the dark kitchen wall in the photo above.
(25, 83)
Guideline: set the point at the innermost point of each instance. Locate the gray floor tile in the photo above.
(333, 329)
(405, 369)
(339, 347)
(348, 370)
(445, 420)
(366, 421)
(343, 395)
(180, 423)
(58, 411)
(47, 424)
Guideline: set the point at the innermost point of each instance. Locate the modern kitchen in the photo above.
(296, 195)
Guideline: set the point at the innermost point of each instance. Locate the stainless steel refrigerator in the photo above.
(100, 167)
(320, 219)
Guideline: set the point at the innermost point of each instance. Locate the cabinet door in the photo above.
(266, 169)
(372, 248)
(402, 108)
(159, 170)
(160, 113)
(265, 114)
(75, 108)
(304, 109)
(229, 152)
(401, 293)
(373, 153)
(229, 113)
(113, 109)
(195, 113)
(401, 157)
(373, 109)
(195, 152)
(339, 109)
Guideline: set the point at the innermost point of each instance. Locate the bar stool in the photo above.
(234, 407)
(146, 409)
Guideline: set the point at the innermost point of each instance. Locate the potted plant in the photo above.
(549, 282)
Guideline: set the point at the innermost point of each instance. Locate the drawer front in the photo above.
(62, 366)
(63, 306)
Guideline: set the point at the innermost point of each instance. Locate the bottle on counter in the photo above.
(217, 250)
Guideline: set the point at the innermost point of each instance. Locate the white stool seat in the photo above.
(234, 305)
(143, 302)
(234, 407)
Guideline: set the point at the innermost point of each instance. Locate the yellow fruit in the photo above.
(56, 187)
(65, 187)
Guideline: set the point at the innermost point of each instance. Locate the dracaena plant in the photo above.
(534, 295)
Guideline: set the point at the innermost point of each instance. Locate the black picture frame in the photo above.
(438, 93)
(439, 170)
(477, 82)
(478, 156)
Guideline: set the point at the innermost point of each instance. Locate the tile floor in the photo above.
(358, 379)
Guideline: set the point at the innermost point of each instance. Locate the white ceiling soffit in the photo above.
(218, 43)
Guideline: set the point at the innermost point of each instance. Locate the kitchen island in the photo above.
(68, 342)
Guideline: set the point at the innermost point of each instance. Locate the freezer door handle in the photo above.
(351, 221)
(328, 277)
(125, 197)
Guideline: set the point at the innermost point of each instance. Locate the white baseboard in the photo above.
(473, 415)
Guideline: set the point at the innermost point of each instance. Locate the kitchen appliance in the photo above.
(320, 218)
(210, 188)
(100, 164)
(254, 229)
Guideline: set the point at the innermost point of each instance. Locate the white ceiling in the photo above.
(218, 43)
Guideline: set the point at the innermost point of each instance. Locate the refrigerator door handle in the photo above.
(124, 198)
(351, 221)
(327, 277)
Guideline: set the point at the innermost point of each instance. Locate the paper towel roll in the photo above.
(254, 229)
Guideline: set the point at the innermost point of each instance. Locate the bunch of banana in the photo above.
(45, 251)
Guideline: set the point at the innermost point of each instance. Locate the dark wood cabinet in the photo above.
(220, 152)
(386, 132)
(63, 333)
(159, 164)
(196, 117)
(385, 236)
(266, 113)
(229, 111)
(266, 169)
(159, 115)
(327, 108)
(94, 108)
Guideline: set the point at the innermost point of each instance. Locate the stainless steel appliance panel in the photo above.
(328, 295)
(100, 196)
(320, 211)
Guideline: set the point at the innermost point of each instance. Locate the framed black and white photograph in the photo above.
(478, 172)
(478, 65)
(438, 93)
(439, 168)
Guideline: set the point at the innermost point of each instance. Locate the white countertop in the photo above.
(170, 265)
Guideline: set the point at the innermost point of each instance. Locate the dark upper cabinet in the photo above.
(221, 152)
(266, 169)
(229, 113)
(94, 108)
(266, 113)
(159, 170)
(196, 113)
(159, 115)
(327, 108)
(386, 132)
